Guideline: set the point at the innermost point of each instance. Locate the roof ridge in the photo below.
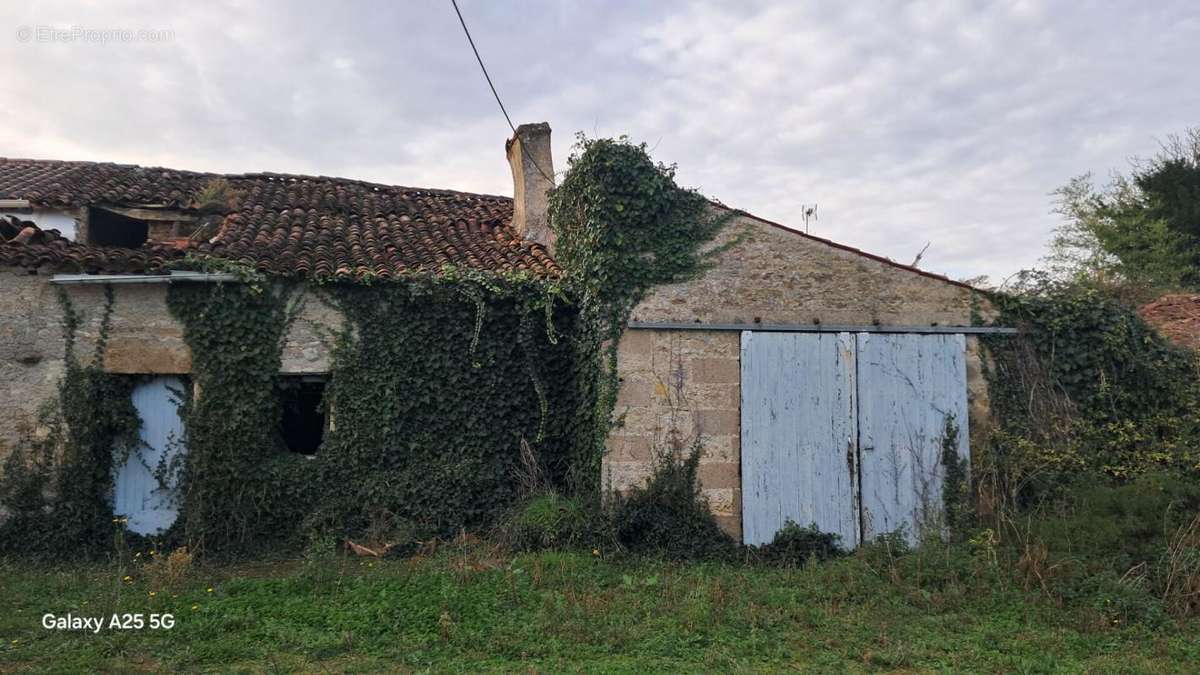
(254, 175)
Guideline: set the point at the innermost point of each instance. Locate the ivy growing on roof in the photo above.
(623, 227)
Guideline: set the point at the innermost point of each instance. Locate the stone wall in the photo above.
(144, 339)
(767, 275)
(677, 387)
(30, 351)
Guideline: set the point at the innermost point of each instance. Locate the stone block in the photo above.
(723, 501)
(629, 448)
(716, 371)
(634, 391)
(720, 449)
(622, 476)
(718, 422)
(731, 525)
(147, 355)
(715, 396)
(636, 342)
(720, 475)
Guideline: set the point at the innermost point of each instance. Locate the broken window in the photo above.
(303, 422)
(106, 228)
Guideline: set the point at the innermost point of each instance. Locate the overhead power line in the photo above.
(496, 94)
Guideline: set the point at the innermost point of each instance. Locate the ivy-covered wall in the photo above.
(144, 339)
(449, 374)
(437, 382)
(433, 387)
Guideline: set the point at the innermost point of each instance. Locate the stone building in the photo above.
(687, 362)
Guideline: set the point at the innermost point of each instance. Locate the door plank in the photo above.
(908, 386)
(798, 434)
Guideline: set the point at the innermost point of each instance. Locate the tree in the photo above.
(1141, 230)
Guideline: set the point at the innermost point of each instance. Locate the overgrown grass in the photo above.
(469, 607)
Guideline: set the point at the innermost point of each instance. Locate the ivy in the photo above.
(956, 483)
(58, 483)
(1088, 386)
(235, 333)
(431, 397)
(623, 226)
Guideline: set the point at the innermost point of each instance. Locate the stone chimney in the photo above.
(533, 176)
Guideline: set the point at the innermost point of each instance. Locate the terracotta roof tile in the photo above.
(1177, 317)
(284, 225)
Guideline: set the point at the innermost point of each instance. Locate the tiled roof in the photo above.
(284, 225)
(1177, 317)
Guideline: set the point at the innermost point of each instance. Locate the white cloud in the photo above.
(947, 122)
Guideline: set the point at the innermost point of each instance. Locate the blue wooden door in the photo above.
(138, 495)
(799, 434)
(909, 387)
(845, 431)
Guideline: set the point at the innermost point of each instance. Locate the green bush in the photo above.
(795, 545)
(668, 516)
(1118, 526)
(1130, 551)
(547, 519)
(1087, 385)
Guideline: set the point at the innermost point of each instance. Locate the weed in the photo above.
(217, 196)
(547, 520)
(1181, 573)
(168, 571)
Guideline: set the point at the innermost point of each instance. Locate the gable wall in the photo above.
(688, 382)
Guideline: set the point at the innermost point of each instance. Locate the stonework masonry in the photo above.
(688, 381)
(144, 339)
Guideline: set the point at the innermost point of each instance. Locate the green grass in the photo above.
(470, 609)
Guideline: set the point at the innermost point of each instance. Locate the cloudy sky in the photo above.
(907, 123)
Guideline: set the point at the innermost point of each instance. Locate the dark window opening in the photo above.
(302, 424)
(106, 228)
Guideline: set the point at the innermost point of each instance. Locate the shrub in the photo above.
(668, 516)
(795, 545)
(1123, 525)
(1130, 551)
(1087, 385)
